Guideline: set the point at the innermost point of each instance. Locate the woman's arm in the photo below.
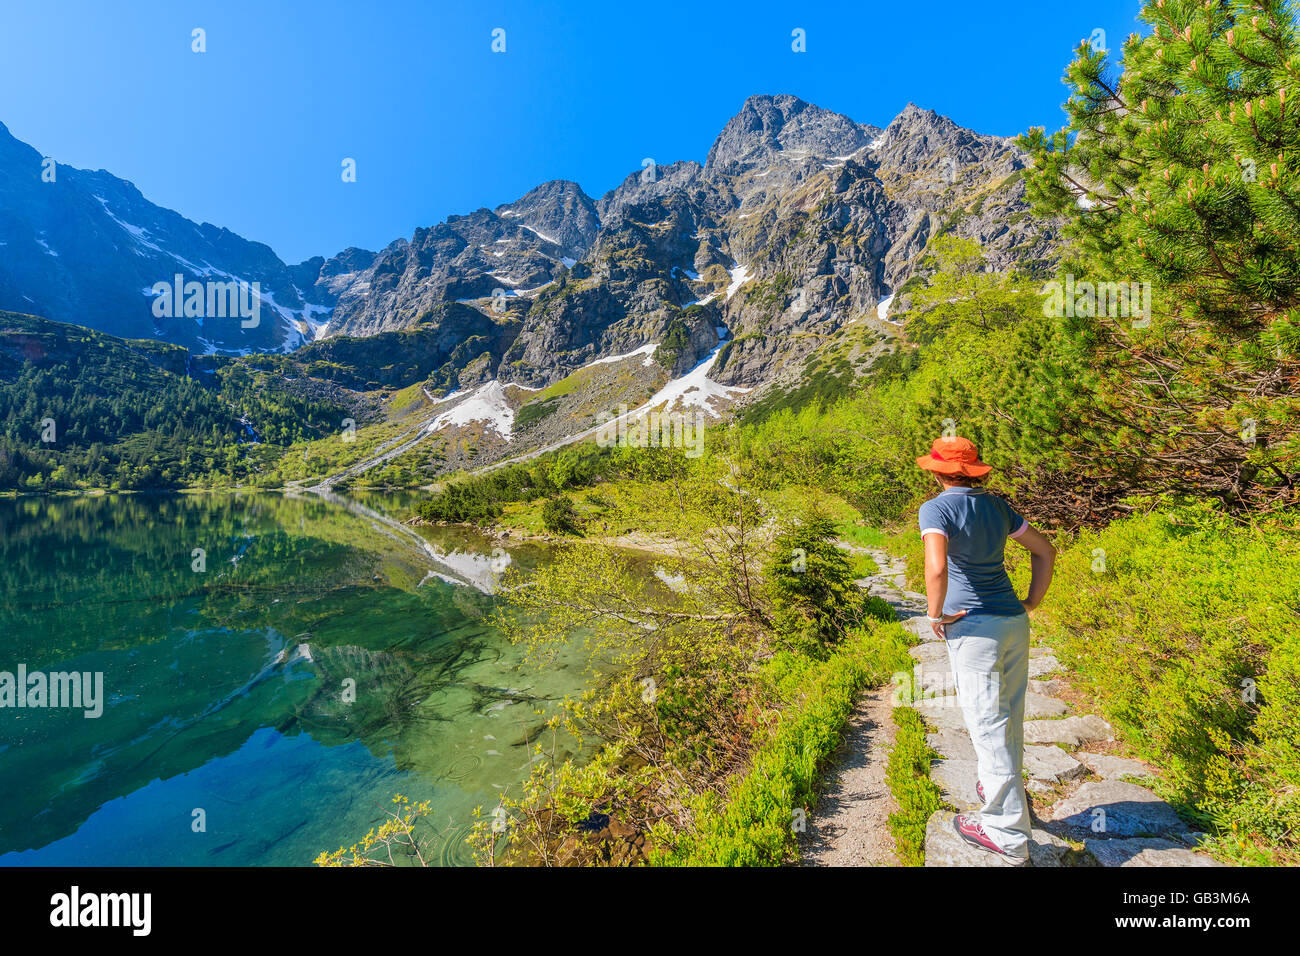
(1042, 559)
(936, 581)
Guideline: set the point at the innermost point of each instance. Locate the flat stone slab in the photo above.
(1051, 764)
(952, 744)
(1047, 849)
(1037, 706)
(956, 781)
(933, 653)
(1114, 768)
(884, 592)
(944, 848)
(1112, 808)
(1049, 687)
(1071, 731)
(1146, 852)
(932, 676)
(932, 680)
(1042, 666)
(941, 713)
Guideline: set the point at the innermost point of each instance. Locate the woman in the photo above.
(973, 606)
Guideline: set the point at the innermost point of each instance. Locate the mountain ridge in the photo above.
(799, 222)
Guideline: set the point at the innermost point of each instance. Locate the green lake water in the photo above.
(225, 689)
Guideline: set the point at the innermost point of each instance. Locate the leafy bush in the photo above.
(1182, 626)
(533, 412)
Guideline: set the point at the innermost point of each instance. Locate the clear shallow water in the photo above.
(224, 689)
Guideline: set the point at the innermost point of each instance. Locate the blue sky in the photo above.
(251, 134)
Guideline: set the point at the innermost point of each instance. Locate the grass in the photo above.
(535, 411)
(796, 499)
(404, 397)
(862, 535)
(908, 776)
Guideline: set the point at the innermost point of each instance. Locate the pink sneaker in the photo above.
(970, 831)
(979, 792)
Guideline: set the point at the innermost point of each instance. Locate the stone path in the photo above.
(850, 824)
(1090, 807)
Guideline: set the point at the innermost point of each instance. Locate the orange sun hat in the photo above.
(951, 455)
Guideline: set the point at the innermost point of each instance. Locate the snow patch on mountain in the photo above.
(739, 276)
(487, 403)
(542, 235)
(695, 389)
(648, 350)
(882, 309)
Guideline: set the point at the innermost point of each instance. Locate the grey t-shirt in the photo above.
(977, 525)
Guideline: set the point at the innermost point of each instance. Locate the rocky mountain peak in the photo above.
(771, 127)
(557, 211)
(917, 133)
(645, 184)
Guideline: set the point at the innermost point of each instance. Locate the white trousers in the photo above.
(990, 666)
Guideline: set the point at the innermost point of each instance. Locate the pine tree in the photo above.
(1179, 168)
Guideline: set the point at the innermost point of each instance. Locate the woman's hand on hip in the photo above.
(939, 627)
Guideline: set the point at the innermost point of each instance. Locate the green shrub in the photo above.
(810, 580)
(1182, 627)
(559, 516)
(533, 412)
